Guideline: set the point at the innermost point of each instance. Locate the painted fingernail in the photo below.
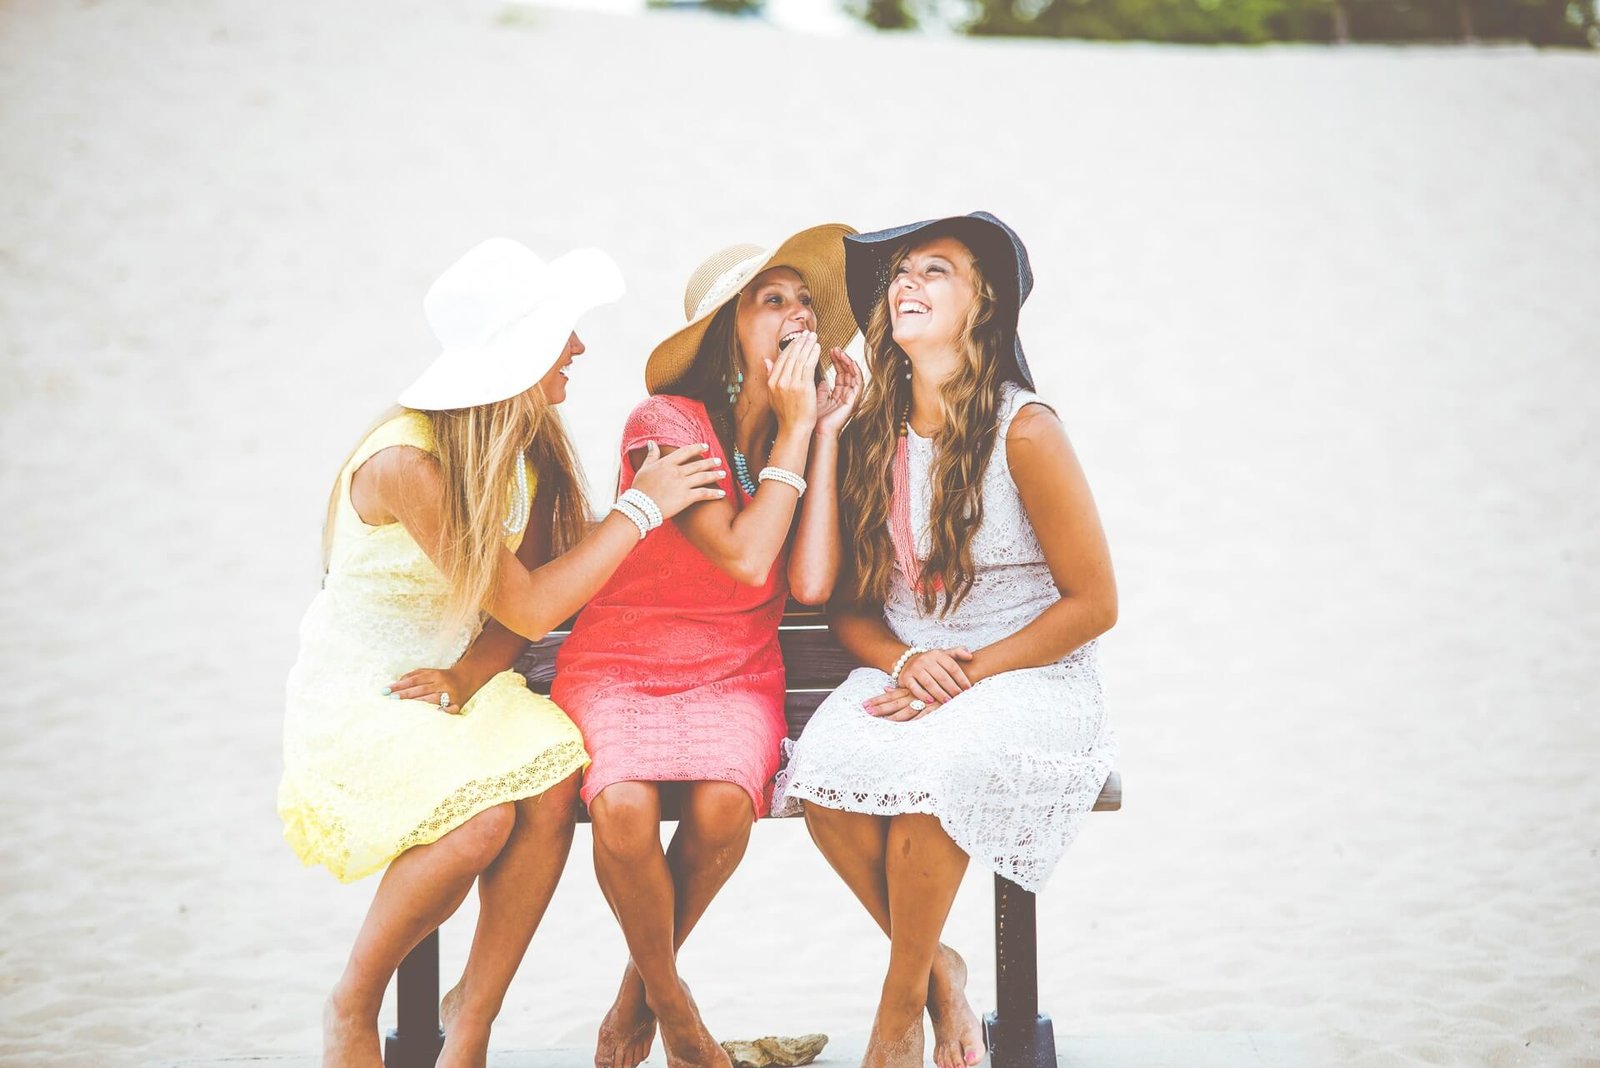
(394, 697)
(386, 691)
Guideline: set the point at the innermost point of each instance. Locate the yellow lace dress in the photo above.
(366, 776)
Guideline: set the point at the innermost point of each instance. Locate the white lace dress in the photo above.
(1011, 766)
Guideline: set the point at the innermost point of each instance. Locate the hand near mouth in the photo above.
(790, 382)
(835, 403)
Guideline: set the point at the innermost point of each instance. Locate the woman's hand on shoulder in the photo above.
(680, 478)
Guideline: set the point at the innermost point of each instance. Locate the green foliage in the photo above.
(1187, 21)
(883, 14)
(1544, 22)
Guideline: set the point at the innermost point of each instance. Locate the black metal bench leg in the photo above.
(1018, 1037)
(417, 1040)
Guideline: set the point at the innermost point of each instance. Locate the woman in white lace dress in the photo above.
(979, 581)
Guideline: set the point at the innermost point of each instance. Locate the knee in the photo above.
(483, 836)
(627, 820)
(719, 814)
(556, 808)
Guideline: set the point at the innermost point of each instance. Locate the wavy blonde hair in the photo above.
(970, 400)
(478, 449)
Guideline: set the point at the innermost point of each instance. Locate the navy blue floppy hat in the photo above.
(998, 249)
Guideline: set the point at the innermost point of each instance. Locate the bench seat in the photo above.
(1017, 1035)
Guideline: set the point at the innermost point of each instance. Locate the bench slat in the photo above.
(811, 656)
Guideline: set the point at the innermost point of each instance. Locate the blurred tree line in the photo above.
(1571, 23)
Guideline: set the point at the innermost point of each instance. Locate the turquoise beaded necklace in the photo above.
(741, 471)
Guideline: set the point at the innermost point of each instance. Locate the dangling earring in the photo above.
(734, 387)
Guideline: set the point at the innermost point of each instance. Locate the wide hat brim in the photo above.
(818, 255)
(999, 250)
(519, 355)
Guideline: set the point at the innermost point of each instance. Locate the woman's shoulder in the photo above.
(405, 427)
(1021, 411)
(667, 418)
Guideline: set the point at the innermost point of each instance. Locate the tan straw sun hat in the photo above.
(817, 254)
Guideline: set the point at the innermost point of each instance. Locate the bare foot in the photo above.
(684, 1037)
(349, 1039)
(957, 1031)
(896, 1040)
(466, 1042)
(465, 1047)
(629, 1029)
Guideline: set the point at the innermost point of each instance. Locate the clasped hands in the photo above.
(929, 678)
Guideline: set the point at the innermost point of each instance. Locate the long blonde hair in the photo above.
(970, 399)
(478, 449)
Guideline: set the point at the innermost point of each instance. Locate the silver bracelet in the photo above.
(647, 507)
(788, 478)
(631, 512)
(894, 672)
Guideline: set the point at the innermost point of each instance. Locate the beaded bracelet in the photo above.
(631, 512)
(788, 478)
(641, 500)
(894, 672)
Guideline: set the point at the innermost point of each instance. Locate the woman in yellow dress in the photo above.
(464, 502)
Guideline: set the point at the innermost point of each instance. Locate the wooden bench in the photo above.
(1017, 1035)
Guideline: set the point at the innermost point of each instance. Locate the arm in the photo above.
(497, 647)
(932, 676)
(814, 559)
(864, 635)
(405, 484)
(745, 544)
(1056, 496)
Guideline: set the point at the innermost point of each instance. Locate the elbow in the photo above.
(809, 590)
(748, 571)
(1104, 614)
(528, 625)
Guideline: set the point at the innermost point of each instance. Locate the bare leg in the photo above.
(422, 887)
(712, 834)
(513, 894)
(633, 873)
(854, 843)
(924, 869)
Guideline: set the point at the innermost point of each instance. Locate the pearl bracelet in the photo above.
(641, 500)
(788, 478)
(894, 672)
(631, 512)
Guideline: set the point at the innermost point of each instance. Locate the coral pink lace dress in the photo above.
(672, 671)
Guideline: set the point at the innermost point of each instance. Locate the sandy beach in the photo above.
(1321, 323)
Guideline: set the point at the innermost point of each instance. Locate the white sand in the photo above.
(1321, 323)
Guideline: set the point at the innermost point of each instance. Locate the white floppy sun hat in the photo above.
(502, 316)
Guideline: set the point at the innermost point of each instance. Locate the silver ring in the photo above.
(444, 701)
(918, 705)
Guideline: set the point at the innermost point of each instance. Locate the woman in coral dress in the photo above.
(464, 501)
(673, 671)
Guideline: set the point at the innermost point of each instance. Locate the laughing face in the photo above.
(773, 309)
(929, 294)
(554, 383)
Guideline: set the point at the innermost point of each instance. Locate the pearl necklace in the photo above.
(517, 516)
